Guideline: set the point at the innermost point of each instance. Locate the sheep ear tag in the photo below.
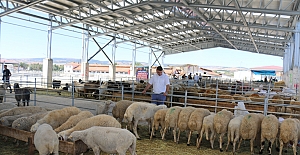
(249, 116)
(19, 124)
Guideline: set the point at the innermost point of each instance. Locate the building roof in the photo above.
(274, 68)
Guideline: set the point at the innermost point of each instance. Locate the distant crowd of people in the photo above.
(271, 79)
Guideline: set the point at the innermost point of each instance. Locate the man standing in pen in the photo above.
(161, 84)
(6, 76)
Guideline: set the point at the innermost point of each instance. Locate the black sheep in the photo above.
(21, 94)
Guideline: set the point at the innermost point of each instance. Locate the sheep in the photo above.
(195, 121)
(171, 120)
(221, 121)
(233, 134)
(158, 119)
(4, 110)
(25, 123)
(289, 131)
(269, 131)
(98, 120)
(208, 127)
(2, 92)
(22, 110)
(183, 120)
(107, 139)
(7, 106)
(120, 108)
(104, 107)
(141, 111)
(8, 120)
(22, 94)
(45, 140)
(250, 128)
(73, 120)
(56, 118)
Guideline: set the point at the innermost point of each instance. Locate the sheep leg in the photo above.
(174, 134)
(200, 138)
(189, 138)
(212, 138)
(234, 143)
(163, 135)
(280, 147)
(152, 132)
(270, 145)
(251, 146)
(295, 145)
(241, 139)
(221, 141)
(228, 140)
(178, 136)
(96, 150)
(135, 129)
(262, 145)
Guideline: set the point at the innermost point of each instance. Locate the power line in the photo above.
(19, 18)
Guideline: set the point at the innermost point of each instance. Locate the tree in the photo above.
(36, 67)
(23, 65)
(58, 67)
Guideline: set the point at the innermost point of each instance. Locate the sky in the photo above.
(23, 39)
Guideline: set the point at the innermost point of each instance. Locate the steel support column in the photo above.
(112, 67)
(162, 60)
(84, 62)
(132, 69)
(48, 62)
(150, 63)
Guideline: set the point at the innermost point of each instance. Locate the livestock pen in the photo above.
(212, 100)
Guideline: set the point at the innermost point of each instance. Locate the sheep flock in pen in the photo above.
(115, 134)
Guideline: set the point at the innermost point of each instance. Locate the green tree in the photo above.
(36, 67)
(22, 65)
(58, 67)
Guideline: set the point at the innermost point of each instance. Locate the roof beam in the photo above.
(244, 9)
(18, 8)
(236, 3)
(258, 26)
(205, 20)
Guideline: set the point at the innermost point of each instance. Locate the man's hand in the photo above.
(165, 94)
(144, 91)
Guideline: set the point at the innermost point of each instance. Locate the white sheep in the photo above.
(73, 120)
(171, 121)
(158, 120)
(7, 106)
(25, 123)
(56, 118)
(98, 120)
(233, 133)
(104, 107)
(107, 139)
(45, 140)
(8, 120)
(269, 131)
(221, 121)
(22, 110)
(289, 131)
(208, 127)
(138, 111)
(250, 128)
(183, 120)
(120, 108)
(195, 121)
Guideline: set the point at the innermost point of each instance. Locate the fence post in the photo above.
(266, 101)
(171, 96)
(72, 92)
(132, 90)
(185, 98)
(34, 103)
(216, 97)
(122, 97)
(243, 87)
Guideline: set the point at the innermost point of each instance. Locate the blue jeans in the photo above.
(158, 99)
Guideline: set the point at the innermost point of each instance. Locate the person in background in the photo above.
(161, 84)
(6, 77)
(190, 76)
(196, 78)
